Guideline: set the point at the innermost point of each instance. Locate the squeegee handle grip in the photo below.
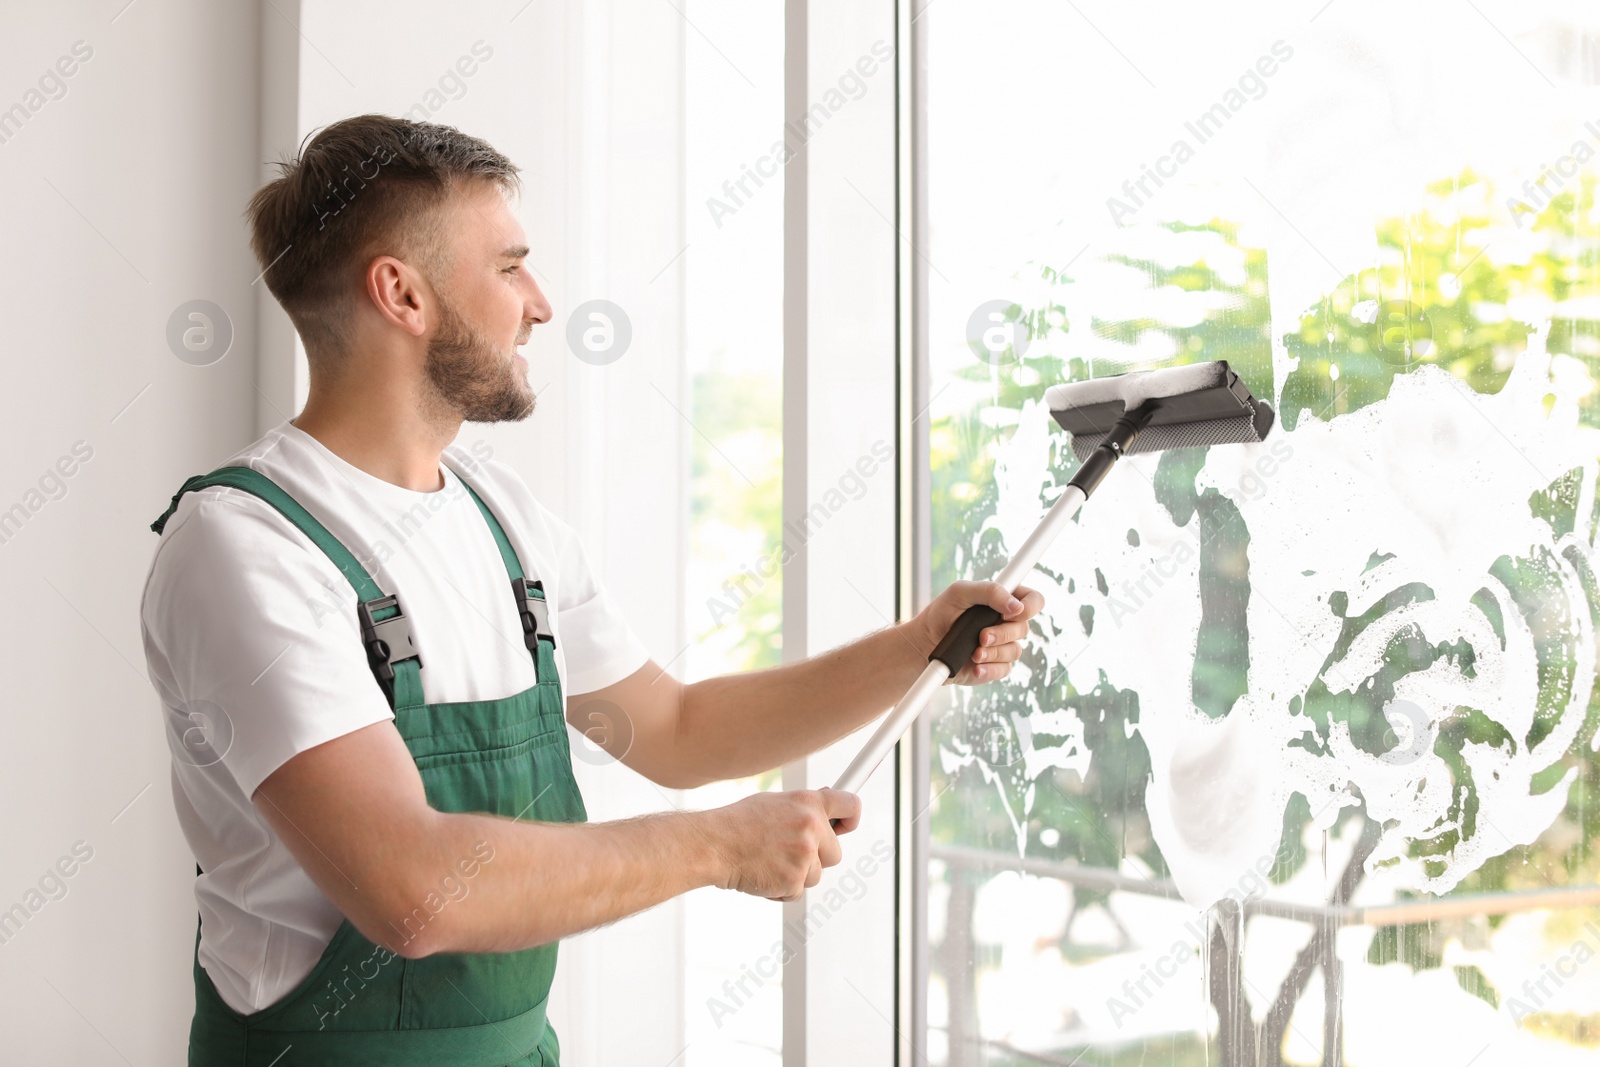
(965, 630)
(961, 640)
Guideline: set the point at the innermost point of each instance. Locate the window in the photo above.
(734, 589)
(1298, 768)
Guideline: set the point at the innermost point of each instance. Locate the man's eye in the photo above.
(512, 269)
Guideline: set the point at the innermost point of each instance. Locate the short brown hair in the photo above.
(362, 187)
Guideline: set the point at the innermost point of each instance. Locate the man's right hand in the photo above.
(777, 844)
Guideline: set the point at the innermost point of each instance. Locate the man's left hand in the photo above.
(999, 645)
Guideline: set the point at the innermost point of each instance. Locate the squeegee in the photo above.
(1193, 406)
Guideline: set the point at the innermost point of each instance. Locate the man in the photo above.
(382, 637)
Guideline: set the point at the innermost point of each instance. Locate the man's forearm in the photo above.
(492, 884)
(744, 724)
(687, 735)
(355, 814)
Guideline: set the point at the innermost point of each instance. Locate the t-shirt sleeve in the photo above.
(249, 624)
(598, 645)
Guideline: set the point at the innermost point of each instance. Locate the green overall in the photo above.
(362, 1005)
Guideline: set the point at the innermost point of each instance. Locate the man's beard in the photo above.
(472, 379)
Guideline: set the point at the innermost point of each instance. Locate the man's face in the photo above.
(488, 305)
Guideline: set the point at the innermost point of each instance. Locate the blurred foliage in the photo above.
(1471, 979)
(744, 412)
(1566, 1027)
(1455, 286)
(1438, 296)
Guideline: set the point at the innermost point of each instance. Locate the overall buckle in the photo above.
(387, 641)
(535, 613)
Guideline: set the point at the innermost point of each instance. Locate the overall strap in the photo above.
(531, 604)
(385, 630)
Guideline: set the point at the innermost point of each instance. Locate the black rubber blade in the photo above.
(1195, 406)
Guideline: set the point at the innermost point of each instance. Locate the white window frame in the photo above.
(853, 991)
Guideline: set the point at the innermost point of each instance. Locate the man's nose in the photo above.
(536, 308)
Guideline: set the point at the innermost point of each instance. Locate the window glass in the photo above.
(733, 263)
(1297, 767)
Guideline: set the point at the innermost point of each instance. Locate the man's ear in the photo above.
(399, 294)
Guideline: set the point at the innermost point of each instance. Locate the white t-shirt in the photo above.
(253, 645)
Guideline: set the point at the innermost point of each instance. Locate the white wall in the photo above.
(123, 201)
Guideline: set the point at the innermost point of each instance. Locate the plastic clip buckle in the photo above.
(387, 641)
(535, 612)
